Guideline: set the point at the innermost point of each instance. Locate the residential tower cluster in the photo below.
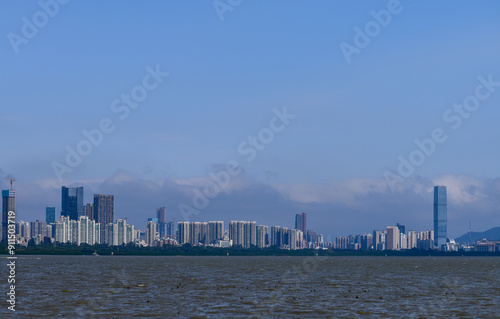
(94, 223)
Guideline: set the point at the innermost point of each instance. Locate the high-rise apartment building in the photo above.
(292, 239)
(170, 230)
(111, 234)
(379, 240)
(38, 228)
(312, 236)
(122, 231)
(72, 202)
(393, 238)
(195, 233)
(243, 233)
(403, 241)
(88, 232)
(183, 233)
(88, 210)
(261, 233)
(284, 239)
(412, 239)
(440, 216)
(215, 232)
(366, 241)
(130, 235)
(23, 229)
(275, 236)
(104, 213)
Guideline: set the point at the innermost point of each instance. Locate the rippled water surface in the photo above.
(258, 287)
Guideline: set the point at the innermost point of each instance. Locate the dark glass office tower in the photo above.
(300, 222)
(402, 228)
(161, 214)
(8, 204)
(72, 202)
(104, 213)
(50, 215)
(440, 216)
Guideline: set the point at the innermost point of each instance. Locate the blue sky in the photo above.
(353, 120)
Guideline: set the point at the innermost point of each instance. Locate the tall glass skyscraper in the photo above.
(440, 216)
(161, 214)
(72, 202)
(8, 204)
(50, 215)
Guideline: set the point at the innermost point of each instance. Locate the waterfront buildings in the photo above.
(95, 226)
(81, 231)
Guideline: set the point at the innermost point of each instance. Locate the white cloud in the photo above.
(462, 189)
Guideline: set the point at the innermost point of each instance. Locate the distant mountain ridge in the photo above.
(491, 234)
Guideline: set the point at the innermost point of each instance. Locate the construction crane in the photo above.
(11, 182)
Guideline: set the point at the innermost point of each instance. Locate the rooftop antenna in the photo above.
(11, 181)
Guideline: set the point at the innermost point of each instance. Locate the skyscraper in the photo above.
(50, 215)
(161, 214)
(300, 222)
(72, 202)
(104, 213)
(440, 216)
(8, 204)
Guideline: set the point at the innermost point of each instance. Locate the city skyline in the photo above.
(101, 212)
(100, 227)
(141, 219)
